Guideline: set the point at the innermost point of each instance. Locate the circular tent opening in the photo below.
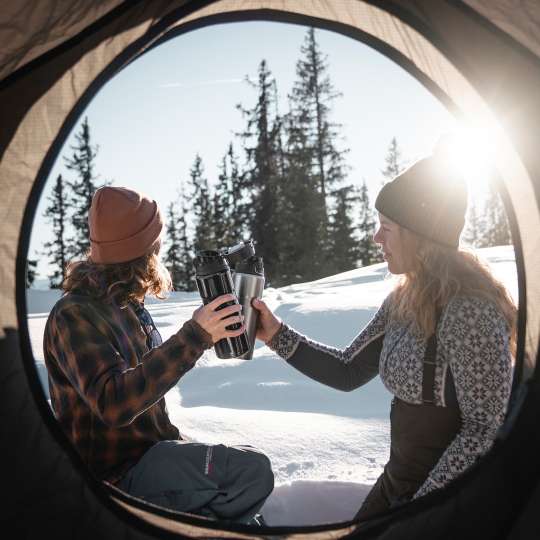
(472, 57)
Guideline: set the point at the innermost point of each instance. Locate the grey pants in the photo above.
(221, 482)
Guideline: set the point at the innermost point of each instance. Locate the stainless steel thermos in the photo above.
(213, 277)
(248, 279)
(238, 270)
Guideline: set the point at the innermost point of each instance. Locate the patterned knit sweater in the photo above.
(472, 344)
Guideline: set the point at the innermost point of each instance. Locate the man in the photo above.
(109, 371)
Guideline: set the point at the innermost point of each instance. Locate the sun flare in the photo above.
(472, 149)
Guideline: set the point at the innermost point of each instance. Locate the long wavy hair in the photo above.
(119, 283)
(439, 273)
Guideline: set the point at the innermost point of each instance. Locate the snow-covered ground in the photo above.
(327, 447)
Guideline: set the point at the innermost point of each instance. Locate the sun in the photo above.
(472, 150)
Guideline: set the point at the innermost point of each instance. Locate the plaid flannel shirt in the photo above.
(107, 386)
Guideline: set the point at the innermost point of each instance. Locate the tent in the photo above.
(481, 58)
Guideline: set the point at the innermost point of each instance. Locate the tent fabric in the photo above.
(480, 57)
(517, 18)
(30, 29)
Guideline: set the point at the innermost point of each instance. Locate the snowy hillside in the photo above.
(327, 447)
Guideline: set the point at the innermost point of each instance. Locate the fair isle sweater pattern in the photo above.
(473, 343)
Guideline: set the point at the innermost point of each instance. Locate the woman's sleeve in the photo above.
(345, 369)
(115, 391)
(476, 340)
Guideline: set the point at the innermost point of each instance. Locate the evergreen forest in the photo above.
(283, 181)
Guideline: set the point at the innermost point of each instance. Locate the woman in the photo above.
(109, 371)
(441, 341)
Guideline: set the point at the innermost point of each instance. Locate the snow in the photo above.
(326, 447)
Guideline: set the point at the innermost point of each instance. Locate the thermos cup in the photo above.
(239, 271)
(213, 277)
(248, 279)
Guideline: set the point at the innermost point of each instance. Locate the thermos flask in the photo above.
(248, 278)
(213, 277)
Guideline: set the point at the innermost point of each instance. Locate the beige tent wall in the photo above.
(32, 28)
(517, 18)
(503, 75)
(488, 80)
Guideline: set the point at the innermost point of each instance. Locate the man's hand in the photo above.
(268, 324)
(215, 321)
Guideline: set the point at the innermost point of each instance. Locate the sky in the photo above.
(180, 99)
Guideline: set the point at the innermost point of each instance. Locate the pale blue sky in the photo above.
(179, 99)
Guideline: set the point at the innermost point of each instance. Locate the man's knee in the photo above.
(267, 476)
(260, 467)
(266, 471)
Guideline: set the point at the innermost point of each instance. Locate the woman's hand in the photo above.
(215, 321)
(268, 324)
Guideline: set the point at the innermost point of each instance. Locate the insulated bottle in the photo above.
(248, 279)
(213, 277)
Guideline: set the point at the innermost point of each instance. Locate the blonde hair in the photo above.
(440, 273)
(120, 283)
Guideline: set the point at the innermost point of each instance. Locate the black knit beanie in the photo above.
(429, 198)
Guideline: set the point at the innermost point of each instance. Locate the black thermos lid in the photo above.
(210, 262)
(240, 252)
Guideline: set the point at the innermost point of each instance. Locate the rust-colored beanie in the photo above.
(124, 225)
(429, 198)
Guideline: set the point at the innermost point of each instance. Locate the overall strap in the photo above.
(430, 362)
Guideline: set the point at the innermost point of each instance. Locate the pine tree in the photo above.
(57, 249)
(474, 227)
(179, 253)
(201, 207)
(261, 145)
(311, 105)
(230, 211)
(394, 164)
(82, 162)
(311, 102)
(186, 277)
(173, 249)
(497, 229)
(301, 253)
(239, 200)
(279, 135)
(31, 272)
(221, 207)
(368, 252)
(345, 246)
